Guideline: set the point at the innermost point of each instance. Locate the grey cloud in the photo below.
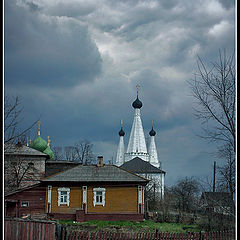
(75, 9)
(47, 51)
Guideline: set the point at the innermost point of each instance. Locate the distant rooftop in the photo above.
(137, 165)
(217, 198)
(20, 149)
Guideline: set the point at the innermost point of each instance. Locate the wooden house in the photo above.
(86, 192)
(217, 202)
(104, 192)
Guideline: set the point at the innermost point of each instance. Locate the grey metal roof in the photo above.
(17, 149)
(92, 173)
(217, 198)
(137, 165)
(21, 189)
(52, 167)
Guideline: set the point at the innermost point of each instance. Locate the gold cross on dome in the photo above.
(121, 122)
(137, 88)
(49, 140)
(39, 123)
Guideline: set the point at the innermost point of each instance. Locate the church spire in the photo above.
(137, 143)
(152, 150)
(120, 152)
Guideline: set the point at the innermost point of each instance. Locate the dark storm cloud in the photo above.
(227, 3)
(47, 51)
(92, 54)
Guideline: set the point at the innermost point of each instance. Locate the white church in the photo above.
(138, 158)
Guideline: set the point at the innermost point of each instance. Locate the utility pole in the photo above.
(214, 175)
(154, 189)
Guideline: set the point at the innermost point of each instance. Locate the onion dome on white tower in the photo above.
(137, 103)
(121, 132)
(120, 152)
(152, 150)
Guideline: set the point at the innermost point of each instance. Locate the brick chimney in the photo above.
(100, 161)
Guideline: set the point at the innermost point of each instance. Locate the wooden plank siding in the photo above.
(117, 200)
(35, 198)
(75, 200)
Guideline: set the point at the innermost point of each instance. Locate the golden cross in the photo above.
(48, 141)
(39, 123)
(121, 122)
(137, 89)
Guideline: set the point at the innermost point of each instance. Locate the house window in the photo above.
(63, 196)
(24, 204)
(99, 196)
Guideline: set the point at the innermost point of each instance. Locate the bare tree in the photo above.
(13, 112)
(81, 152)
(185, 193)
(227, 171)
(58, 154)
(84, 152)
(214, 89)
(152, 194)
(70, 153)
(18, 170)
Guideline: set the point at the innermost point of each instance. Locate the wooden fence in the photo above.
(16, 229)
(99, 235)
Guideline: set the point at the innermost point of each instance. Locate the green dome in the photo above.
(49, 152)
(39, 144)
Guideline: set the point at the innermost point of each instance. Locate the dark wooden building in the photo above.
(30, 200)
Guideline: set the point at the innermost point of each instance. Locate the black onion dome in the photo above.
(152, 133)
(137, 103)
(121, 133)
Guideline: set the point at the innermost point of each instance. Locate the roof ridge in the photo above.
(132, 173)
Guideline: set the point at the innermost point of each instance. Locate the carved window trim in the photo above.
(99, 196)
(63, 199)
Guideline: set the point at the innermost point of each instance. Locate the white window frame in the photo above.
(140, 195)
(49, 193)
(85, 194)
(24, 204)
(103, 191)
(59, 196)
(49, 198)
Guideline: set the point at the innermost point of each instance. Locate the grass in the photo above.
(146, 225)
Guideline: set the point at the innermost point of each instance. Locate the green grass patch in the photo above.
(146, 225)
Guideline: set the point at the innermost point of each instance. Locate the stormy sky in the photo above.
(76, 64)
